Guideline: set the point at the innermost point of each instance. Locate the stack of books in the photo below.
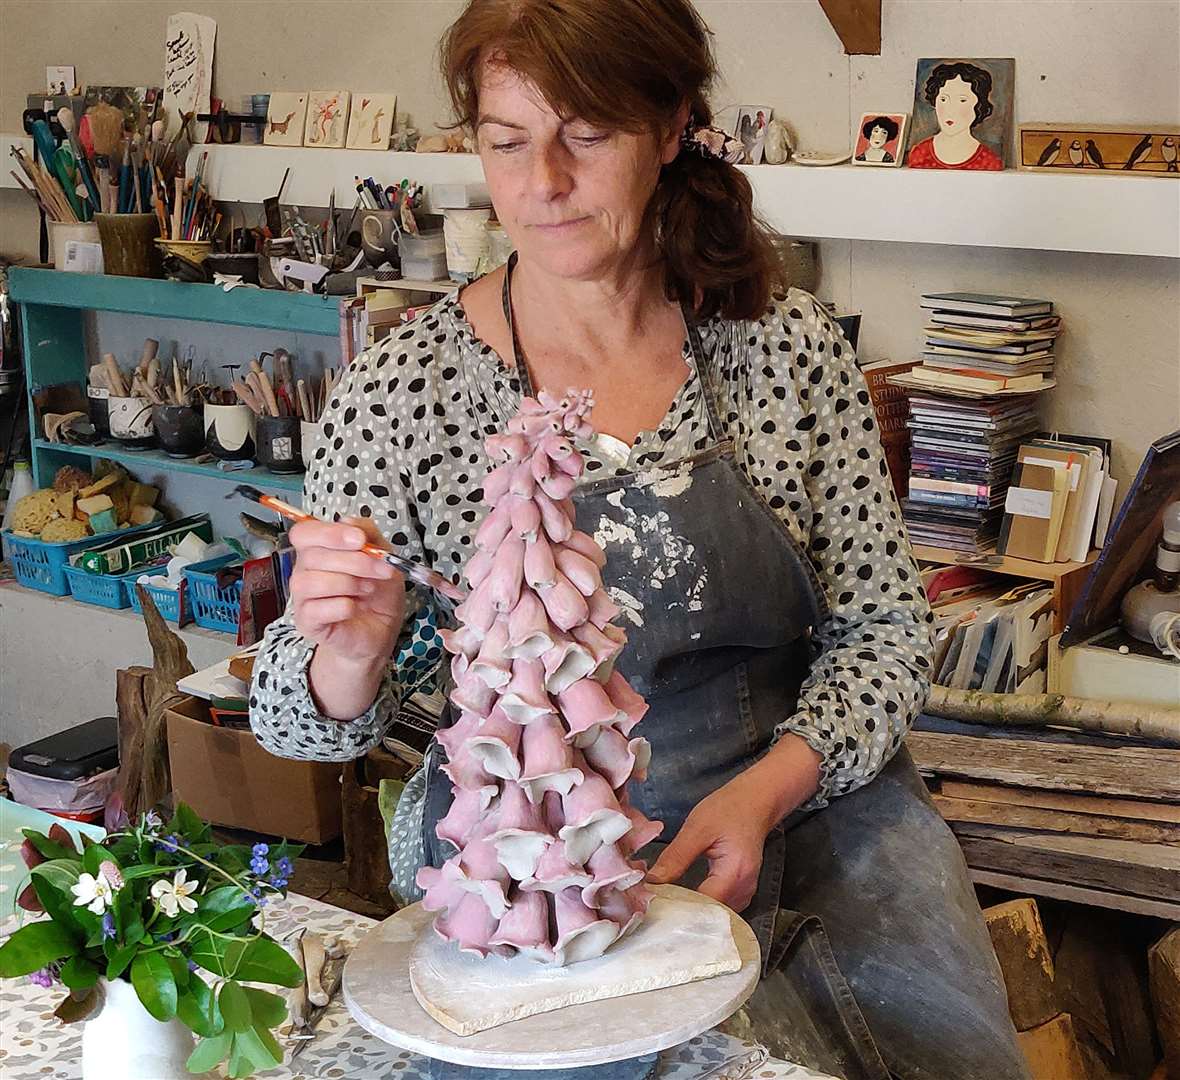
(979, 344)
(961, 459)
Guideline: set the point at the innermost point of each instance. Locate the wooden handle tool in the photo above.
(114, 375)
(268, 394)
(150, 347)
(304, 401)
(314, 955)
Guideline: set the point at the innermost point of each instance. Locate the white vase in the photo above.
(123, 1041)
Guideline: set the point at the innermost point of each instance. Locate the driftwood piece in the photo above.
(1056, 710)
(366, 848)
(1141, 773)
(146, 780)
(1151, 870)
(1164, 965)
(1052, 1050)
(130, 709)
(1071, 802)
(981, 812)
(1023, 952)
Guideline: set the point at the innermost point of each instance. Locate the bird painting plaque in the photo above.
(1145, 150)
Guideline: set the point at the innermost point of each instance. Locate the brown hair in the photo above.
(629, 65)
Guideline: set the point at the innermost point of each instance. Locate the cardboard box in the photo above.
(229, 779)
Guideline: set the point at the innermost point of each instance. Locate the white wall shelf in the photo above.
(1110, 215)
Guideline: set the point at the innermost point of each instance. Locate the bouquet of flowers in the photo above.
(157, 904)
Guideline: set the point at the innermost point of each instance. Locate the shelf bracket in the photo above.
(858, 24)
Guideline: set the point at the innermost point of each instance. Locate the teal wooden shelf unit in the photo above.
(52, 304)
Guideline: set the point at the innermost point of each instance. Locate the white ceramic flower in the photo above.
(95, 893)
(173, 895)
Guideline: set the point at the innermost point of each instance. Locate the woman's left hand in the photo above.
(729, 827)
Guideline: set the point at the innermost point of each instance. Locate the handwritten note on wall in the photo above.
(188, 68)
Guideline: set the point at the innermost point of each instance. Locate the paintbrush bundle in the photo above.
(149, 379)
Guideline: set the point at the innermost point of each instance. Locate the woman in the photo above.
(961, 96)
(776, 623)
(879, 132)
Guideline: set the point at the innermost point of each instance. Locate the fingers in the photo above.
(317, 584)
(733, 891)
(318, 615)
(687, 846)
(355, 563)
(343, 536)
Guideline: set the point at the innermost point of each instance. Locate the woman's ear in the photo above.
(671, 145)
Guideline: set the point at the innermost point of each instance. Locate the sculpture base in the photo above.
(641, 1068)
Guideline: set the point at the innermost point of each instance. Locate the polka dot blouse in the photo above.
(403, 446)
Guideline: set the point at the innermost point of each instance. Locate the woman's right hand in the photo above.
(350, 605)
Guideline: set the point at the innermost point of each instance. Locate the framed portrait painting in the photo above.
(962, 114)
(880, 139)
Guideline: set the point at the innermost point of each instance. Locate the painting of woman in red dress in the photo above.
(961, 96)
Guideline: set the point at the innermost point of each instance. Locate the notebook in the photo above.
(1034, 511)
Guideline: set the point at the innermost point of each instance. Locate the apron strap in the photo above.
(696, 354)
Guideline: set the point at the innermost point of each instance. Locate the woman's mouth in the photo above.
(560, 226)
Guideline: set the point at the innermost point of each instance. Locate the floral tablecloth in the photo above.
(35, 1046)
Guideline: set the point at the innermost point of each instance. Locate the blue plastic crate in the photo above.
(172, 604)
(213, 608)
(104, 590)
(41, 564)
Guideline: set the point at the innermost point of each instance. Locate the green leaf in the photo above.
(93, 857)
(235, 1007)
(268, 1009)
(51, 849)
(132, 873)
(223, 908)
(209, 1053)
(239, 1064)
(34, 946)
(152, 978)
(217, 955)
(186, 822)
(257, 1050)
(265, 960)
(179, 967)
(51, 882)
(198, 1008)
(79, 973)
(118, 959)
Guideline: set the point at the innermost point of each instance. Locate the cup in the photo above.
(379, 233)
(278, 444)
(309, 441)
(229, 432)
(127, 248)
(62, 232)
(130, 419)
(179, 429)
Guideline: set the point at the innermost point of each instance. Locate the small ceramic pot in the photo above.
(122, 1041)
(130, 419)
(179, 429)
(127, 248)
(278, 444)
(379, 232)
(229, 432)
(97, 404)
(309, 441)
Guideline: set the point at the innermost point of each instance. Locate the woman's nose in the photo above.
(551, 174)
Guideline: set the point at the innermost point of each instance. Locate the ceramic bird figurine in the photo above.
(1142, 150)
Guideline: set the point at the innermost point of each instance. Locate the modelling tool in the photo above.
(415, 571)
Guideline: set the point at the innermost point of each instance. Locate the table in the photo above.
(34, 1046)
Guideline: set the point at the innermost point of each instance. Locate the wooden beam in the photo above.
(1052, 1050)
(1099, 806)
(858, 24)
(980, 812)
(1164, 964)
(1075, 894)
(1023, 952)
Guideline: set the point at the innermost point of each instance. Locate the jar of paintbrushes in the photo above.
(148, 404)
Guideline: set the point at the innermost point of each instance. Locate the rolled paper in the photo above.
(492, 664)
(586, 545)
(526, 520)
(524, 699)
(581, 935)
(586, 708)
(540, 571)
(494, 528)
(558, 524)
(581, 571)
(565, 605)
(566, 662)
(530, 633)
(467, 809)
(525, 926)
(507, 573)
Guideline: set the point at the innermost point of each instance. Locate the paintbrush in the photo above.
(415, 571)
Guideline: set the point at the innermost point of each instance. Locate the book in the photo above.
(996, 322)
(986, 303)
(1034, 510)
(969, 379)
(998, 351)
(998, 365)
(892, 410)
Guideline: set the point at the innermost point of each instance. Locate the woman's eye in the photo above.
(590, 140)
(505, 147)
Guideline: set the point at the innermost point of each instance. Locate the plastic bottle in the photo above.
(22, 485)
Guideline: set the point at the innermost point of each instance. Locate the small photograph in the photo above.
(880, 139)
(60, 80)
(750, 130)
(284, 122)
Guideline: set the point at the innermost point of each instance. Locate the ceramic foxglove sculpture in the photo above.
(544, 747)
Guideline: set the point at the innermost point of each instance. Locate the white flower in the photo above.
(173, 895)
(93, 892)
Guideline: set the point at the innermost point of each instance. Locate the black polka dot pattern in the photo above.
(403, 445)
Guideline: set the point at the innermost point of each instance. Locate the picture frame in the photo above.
(370, 122)
(61, 79)
(879, 139)
(749, 128)
(1092, 149)
(327, 118)
(962, 114)
(286, 113)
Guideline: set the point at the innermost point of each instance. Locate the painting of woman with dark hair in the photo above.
(963, 95)
(880, 138)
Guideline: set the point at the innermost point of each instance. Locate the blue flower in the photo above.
(259, 866)
(260, 851)
(284, 867)
(170, 843)
(192, 965)
(152, 820)
(277, 881)
(108, 925)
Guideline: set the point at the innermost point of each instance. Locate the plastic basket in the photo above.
(103, 590)
(41, 564)
(172, 604)
(213, 608)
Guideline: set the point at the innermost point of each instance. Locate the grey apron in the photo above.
(718, 606)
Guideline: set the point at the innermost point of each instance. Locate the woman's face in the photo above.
(571, 195)
(955, 106)
(878, 137)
